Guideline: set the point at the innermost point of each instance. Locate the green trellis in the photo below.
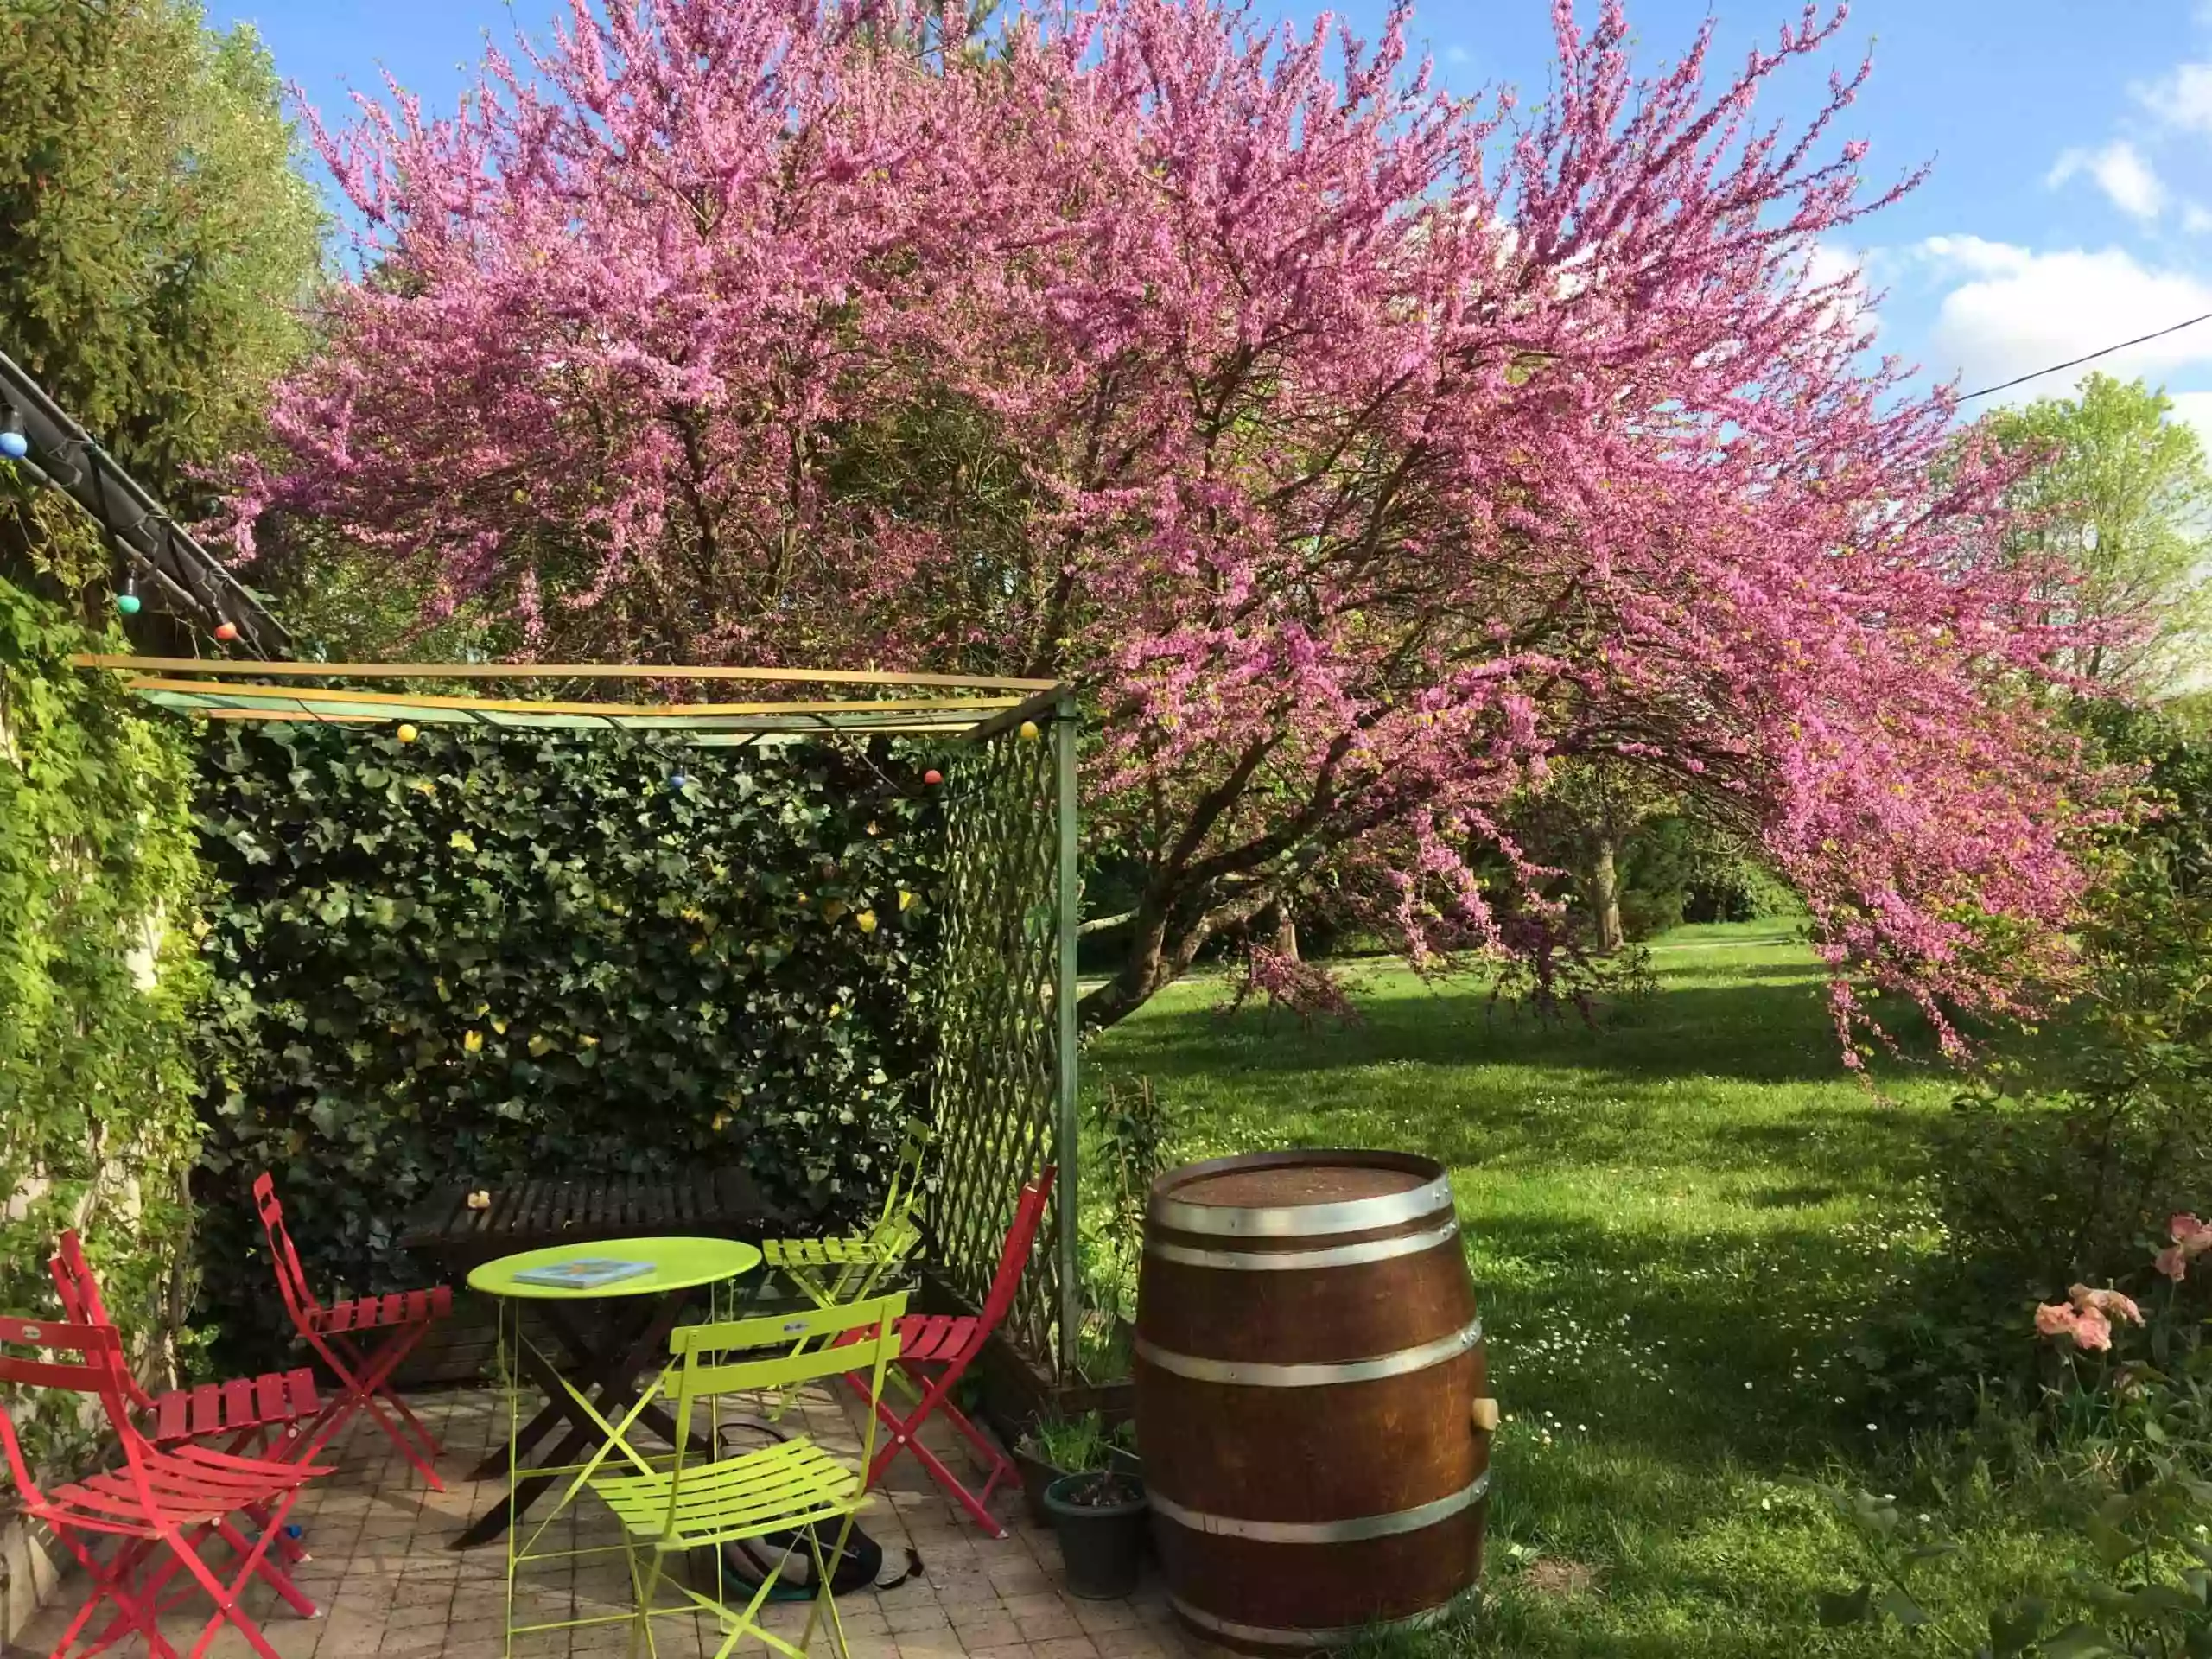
(1004, 1091)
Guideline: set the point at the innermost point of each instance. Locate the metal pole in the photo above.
(1068, 1198)
(64, 453)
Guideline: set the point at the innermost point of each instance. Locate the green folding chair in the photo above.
(850, 1268)
(794, 1486)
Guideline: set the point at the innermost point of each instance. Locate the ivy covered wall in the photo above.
(98, 981)
(485, 955)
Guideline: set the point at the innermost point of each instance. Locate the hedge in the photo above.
(486, 955)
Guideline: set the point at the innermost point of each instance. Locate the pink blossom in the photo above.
(1362, 451)
(2109, 1303)
(2055, 1319)
(2191, 1239)
(2086, 1327)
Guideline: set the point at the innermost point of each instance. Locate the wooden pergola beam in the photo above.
(226, 669)
(399, 702)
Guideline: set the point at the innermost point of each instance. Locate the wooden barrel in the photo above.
(1312, 1403)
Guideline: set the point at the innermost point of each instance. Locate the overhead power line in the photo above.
(2077, 362)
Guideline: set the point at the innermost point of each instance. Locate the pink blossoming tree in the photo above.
(1364, 452)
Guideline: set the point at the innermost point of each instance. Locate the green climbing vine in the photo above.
(482, 956)
(98, 977)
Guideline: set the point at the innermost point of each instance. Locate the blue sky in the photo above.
(2070, 205)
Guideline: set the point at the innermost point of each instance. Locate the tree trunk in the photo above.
(1285, 945)
(1144, 970)
(1605, 894)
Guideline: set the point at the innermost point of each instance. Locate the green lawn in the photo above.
(1674, 1222)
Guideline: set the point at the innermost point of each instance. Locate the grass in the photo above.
(1676, 1222)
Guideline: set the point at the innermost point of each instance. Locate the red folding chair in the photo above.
(339, 1336)
(936, 1350)
(270, 1415)
(168, 1505)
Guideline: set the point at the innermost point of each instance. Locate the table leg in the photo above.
(558, 1407)
(617, 1395)
(609, 1376)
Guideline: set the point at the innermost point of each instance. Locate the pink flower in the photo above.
(2191, 1238)
(2106, 1304)
(2084, 1320)
(2092, 1330)
(2055, 1319)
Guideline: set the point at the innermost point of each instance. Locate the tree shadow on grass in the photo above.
(1826, 1150)
(1753, 1029)
(1678, 1350)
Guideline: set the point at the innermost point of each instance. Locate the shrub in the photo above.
(489, 954)
(2119, 1453)
(2064, 1160)
(97, 1128)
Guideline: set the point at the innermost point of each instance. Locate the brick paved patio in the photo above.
(388, 1583)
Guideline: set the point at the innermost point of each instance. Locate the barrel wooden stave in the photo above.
(1340, 1588)
(1284, 1460)
(1323, 1463)
(1291, 1317)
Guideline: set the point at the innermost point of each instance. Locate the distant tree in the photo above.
(2123, 495)
(158, 244)
(1582, 822)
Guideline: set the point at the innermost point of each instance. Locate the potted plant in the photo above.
(1099, 1515)
(1053, 1447)
(1121, 1454)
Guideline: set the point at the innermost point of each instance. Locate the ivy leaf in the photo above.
(1903, 1608)
(1838, 1609)
(2013, 1628)
(2078, 1641)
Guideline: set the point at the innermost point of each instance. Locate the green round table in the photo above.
(678, 1264)
(604, 1362)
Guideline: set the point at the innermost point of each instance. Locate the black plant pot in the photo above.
(1101, 1543)
(1036, 1476)
(1125, 1462)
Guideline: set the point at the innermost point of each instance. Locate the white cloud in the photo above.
(2121, 172)
(1458, 55)
(2195, 218)
(2195, 409)
(2182, 98)
(1827, 263)
(2013, 310)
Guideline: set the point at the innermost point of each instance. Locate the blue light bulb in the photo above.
(676, 780)
(128, 603)
(14, 445)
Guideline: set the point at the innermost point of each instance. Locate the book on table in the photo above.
(582, 1272)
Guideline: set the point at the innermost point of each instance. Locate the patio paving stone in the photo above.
(387, 1582)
